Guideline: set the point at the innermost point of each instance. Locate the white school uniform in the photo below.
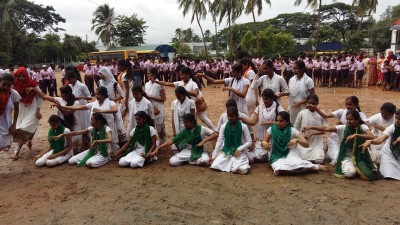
(298, 91)
(348, 168)
(42, 161)
(81, 90)
(184, 155)
(238, 85)
(334, 141)
(77, 125)
(390, 166)
(378, 120)
(143, 105)
(276, 84)
(153, 89)
(292, 162)
(259, 154)
(134, 158)
(97, 160)
(231, 163)
(27, 120)
(315, 151)
(6, 120)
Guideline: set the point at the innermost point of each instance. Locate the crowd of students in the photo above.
(126, 119)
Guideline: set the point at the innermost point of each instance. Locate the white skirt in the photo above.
(231, 164)
(333, 148)
(259, 154)
(133, 159)
(292, 163)
(389, 167)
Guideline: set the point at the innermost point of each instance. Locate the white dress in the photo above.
(143, 105)
(292, 162)
(80, 90)
(238, 85)
(97, 160)
(231, 163)
(107, 104)
(27, 120)
(6, 120)
(264, 114)
(378, 120)
(276, 84)
(184, 155)
(389, 167)
(179, 109)
(298, 91)
(153, 89)
(42, 161)
(134, 158)
(315, 151)
(334, 141)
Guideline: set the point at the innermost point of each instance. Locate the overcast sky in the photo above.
(162, 16)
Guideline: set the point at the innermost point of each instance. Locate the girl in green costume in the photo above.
(234, 140)
(59, 150)
(141, 143)
(281, 141)
(100, 148)
(351, 160)
(190, 143)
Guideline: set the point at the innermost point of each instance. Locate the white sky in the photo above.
(163, 16)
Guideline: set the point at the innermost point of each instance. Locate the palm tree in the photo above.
(250, 8)
(364, 8)
(231, 9)
(178, 34)
(9, 15)
(103, 22)
(199, 10)
(316, 6)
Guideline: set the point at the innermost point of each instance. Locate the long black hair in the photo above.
(190, 117)
(182, 91)
(250, 63)
(70, 99)
(190, 73)
(99, 117)
(57, 119)
(103, 91)
(268, 93)
(355, 100)
(139, 89)
(356, 115)
(126, 64)
(146, 117)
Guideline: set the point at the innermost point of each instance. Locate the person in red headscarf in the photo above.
(29, 109)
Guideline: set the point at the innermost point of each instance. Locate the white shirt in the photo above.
(238, 85)
(377, 120)
(276, 84)
(107, 129)
(246, 140)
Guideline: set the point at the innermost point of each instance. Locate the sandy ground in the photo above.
(160, 194)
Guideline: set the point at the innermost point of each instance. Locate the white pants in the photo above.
(348, 168)
(333, 148)
(203, 117)
(231, 164)
(43, 161)
(259, 154)
(95, 161)
(184, 156)
(292, 163)
(133, 159)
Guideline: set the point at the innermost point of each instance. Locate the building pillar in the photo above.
(393, 41)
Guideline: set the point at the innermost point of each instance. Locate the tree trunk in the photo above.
(230, 37)
(255, 29)
(202, 34)
(216, 38)
(318, 25)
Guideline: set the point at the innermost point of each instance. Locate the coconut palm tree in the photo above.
(103, 22)
(251, 6)
(9, 15)
(316, 6)
(231, 9)
(199, 11)
(364, 8)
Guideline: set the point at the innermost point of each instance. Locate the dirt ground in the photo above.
(160, 194)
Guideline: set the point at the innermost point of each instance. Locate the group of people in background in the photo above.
(125, 120)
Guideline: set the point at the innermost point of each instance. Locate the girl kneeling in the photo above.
(60, 150)
(284, 155)
(101, 136)
(234, 140)
(141, 143)
(351, 160)
(190, 143)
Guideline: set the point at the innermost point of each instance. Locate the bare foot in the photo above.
(14, 157)
(322, 168)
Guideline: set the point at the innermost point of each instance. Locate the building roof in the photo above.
(164, 48)
(396, 25)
